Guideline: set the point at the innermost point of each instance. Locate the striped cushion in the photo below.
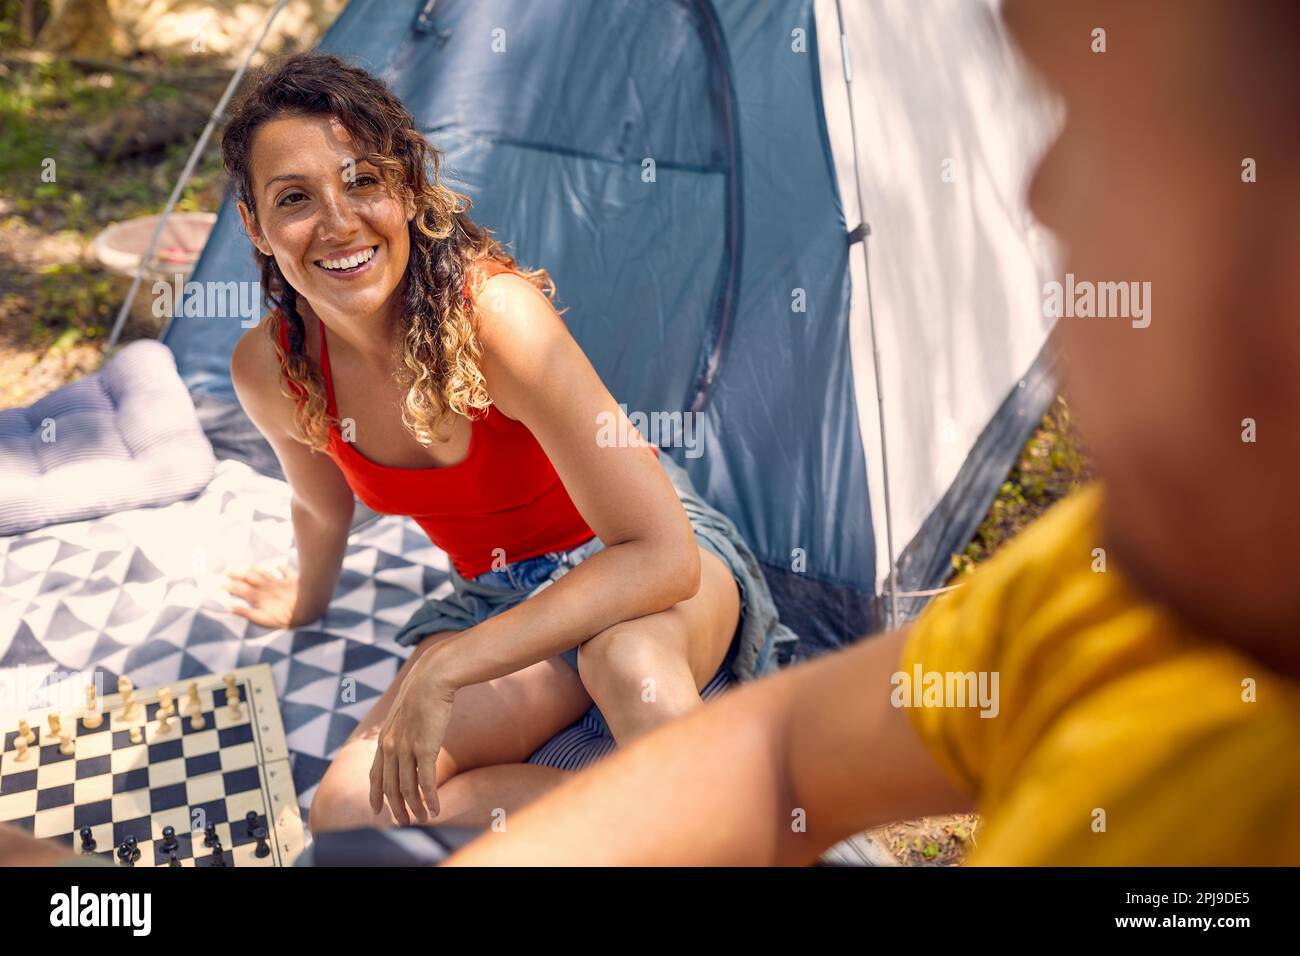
(587, 741)
(125, 437)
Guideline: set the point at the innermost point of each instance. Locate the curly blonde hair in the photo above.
(440, 367)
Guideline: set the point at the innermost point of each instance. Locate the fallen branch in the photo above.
(199, 76)
(145, 127)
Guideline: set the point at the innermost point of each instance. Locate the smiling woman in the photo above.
(340, 171)
(441, 383)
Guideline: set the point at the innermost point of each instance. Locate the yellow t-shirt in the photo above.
(1120, 737)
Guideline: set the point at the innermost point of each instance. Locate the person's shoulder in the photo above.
(514, 317)
(1037, 599)
(1062, 546)
(526, 349)
(493, 282)
(1057, 536)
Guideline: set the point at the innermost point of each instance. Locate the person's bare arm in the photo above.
(20, 848)
(537, 374)
(322, 504)
(727, 783)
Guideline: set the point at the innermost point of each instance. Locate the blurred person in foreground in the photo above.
(1146, 632)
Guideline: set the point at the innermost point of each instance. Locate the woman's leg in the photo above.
(502, 721)
(644, 672)
(486, 796)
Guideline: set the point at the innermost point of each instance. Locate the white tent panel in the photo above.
(949, 124)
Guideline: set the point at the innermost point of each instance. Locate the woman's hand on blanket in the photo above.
(271, 595)
(405, 769)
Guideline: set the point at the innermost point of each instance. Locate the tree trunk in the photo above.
(80, 28)
(27, 22)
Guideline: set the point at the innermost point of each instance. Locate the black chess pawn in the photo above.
(87, 841)
(210, 834)
(218, 854)
(263, 847)
(250, 818)
(129, 851)
(172, 861)
(169, 841)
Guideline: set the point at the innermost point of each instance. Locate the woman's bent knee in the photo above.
(342, 798)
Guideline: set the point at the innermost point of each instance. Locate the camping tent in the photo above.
(730, 280)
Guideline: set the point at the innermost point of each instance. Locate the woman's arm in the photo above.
(536, 373)
(322, 503)
(729, 783)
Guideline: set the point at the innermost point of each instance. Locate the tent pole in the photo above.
(893, 621)
(184, 178)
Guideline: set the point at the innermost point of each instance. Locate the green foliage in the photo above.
(1052, 465)
(11, 15)
(73, 302)
(44, 110)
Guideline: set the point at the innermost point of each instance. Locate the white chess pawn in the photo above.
(197, 721)
(166, 702)
(232, 698)
(164, 720)
(92, 718)
(127, 690)
(137, 735)
(20, 747)
(65, 745)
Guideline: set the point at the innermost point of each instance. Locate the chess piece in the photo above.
(250, 821)
(20, 747)
(169, 841)
(87, 841)
(172, 861)
(194, 707)
(66, 746)
(54, 723)
(92, 719)
(164, 721)
(232, 698)
(25, 732)
(166, 702)
(127, 690)
(137, 736)
(210, 834)
(218, 854)
(263, 847)
(129, 851)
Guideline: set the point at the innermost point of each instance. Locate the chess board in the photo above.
(183, 777)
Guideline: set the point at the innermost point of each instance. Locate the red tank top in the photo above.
(504, 495)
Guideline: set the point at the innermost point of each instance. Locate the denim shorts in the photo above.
(760, 638)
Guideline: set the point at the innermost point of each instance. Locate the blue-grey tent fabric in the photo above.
(125, 437)
(720, 284)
